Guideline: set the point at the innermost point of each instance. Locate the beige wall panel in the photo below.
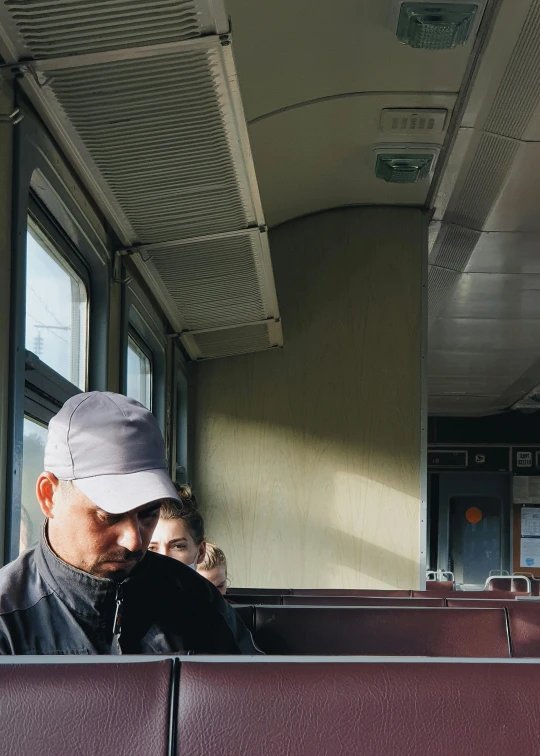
(307, 458)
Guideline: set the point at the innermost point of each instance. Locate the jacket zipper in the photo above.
(117, 623)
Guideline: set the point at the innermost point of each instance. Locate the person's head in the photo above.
(105, 480)
(214, 567)
(180, 531)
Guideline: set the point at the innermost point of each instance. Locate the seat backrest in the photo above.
(512, 584)
(359, 601)
(259, 591)
(523, 620)
(256, 598)
(483, 603)
(439, 585)
(348, 592)
(85, 709)
(349, 708)
(349, 631)
(464, 594)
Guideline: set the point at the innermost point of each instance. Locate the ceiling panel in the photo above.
(506, 253)
(464, 405)
(495, 297)
(485, 336)
(321, 155)
(143, 98)
(477, 364)
(516, 206)
(286, 56)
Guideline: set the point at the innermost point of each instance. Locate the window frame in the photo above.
(45, 188)
(68, 258)
(143, 347)
(142, 318)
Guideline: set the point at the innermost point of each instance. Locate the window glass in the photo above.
(139, 374)
(56, 310)
(34, 440)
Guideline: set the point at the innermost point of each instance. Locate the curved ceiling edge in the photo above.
(336, 208)
(346, 95)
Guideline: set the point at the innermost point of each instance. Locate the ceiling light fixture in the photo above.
(435, 26)
(404, 164)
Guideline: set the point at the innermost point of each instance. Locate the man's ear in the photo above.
(202, 552)
(46, 486)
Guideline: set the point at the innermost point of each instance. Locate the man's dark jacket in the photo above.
(48, 607)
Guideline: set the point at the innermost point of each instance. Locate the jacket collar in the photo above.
(84, 594)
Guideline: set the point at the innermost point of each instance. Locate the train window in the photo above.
(56, 309)
(139, 372)
(34, 440)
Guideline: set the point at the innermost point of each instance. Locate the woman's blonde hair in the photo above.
(186, 509)
(214, 557)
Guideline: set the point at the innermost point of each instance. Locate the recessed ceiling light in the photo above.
(436, 26)
(404, 164)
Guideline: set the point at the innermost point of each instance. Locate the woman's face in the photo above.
(173, 539)
(217, 576)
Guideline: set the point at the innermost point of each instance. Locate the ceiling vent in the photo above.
(405, 121)
(404, 164)
(435, 26)
(143, 97)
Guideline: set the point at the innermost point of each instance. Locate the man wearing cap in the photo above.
(90, 586)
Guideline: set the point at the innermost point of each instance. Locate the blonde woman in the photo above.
(214, 567)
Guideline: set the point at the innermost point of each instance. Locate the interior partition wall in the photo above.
(309, 461)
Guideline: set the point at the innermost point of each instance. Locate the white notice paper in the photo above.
(530, 521)
(526, 489)
(530, 552)
(521, 489)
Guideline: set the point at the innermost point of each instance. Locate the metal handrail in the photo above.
(511, 577)
(438, 576)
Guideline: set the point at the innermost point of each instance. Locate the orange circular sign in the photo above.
(473, 515)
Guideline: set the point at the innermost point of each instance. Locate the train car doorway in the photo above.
(474, 526)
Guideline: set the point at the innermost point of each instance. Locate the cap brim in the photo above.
(118, 494)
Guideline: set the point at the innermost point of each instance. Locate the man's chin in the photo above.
(115, 570)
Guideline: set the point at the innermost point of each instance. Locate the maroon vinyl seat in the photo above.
(439, 585)
(523, 620)
(362, 631)
(348, 592)
(85, 709)
(513, 584)
(256, 598)
(358, 708)
(259, 591)
(359, 601)
(463, 594)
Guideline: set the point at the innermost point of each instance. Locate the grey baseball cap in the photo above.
(111, 447)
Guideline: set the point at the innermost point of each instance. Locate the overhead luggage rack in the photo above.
(144, 99)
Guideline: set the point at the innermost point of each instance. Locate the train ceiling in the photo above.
(144, 96)
(315, 94)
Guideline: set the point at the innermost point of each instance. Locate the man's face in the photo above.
(102, 544)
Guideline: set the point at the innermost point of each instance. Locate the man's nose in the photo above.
(130, 536)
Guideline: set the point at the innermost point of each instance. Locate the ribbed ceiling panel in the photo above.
(235, 341)
(53, 28)
(155, 129)
(143, 97)
(214, 282)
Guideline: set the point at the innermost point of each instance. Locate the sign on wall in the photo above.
(470, 458)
